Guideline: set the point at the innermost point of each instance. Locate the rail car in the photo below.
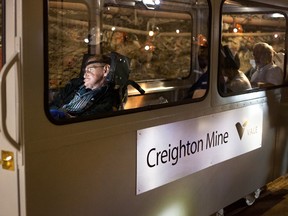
(174, 150)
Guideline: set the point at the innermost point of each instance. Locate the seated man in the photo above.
(93, 95)
(198, 89)
(235, 80)
(267, 73)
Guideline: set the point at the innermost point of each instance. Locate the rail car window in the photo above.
(252, 48)
(145, 53)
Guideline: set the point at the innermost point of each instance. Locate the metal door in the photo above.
(11, 168)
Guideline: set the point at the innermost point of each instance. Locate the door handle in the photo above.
(7, 160)
(5, 70)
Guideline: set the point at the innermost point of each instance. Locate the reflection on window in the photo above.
(67, 29)
(164, 43)
(158, 43)
(256, 43)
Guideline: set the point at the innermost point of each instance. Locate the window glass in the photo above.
(109, 56)
(252, 48)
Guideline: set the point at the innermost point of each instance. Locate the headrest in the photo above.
(119, 69)
(229, 60)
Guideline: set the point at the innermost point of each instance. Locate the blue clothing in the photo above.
(57, 114)
(201, 83)
(74, 102)
(80, 100)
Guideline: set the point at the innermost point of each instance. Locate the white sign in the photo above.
(169, 152)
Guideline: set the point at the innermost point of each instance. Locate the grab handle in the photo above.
(3, 100)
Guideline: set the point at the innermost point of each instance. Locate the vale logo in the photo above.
(241, 128)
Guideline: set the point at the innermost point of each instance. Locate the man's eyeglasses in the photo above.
(93, 68)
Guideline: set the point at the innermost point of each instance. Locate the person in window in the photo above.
(87, 95)
(199, 88)
(235, 80)
(266, 73)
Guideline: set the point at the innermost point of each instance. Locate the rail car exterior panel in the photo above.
(92, 166)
